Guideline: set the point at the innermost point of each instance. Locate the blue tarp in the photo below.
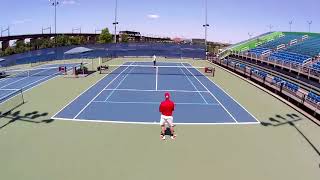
(78, 50)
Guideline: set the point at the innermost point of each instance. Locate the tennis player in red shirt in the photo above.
(166, 109)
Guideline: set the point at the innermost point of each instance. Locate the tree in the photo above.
(105, 36)
(20, 46)
(8, 51)
(77, 40)
(124, 38)
(46, 43)
(63, 40)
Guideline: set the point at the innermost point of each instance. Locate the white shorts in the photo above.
(166, 120)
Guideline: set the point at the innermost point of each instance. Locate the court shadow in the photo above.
(290, 119)
(168, 132)
(31, 117)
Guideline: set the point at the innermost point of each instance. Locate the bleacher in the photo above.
(259, 73)
(291, 86)
(283, 40)
(286, 84)
(289, 57)
(313, 97)
(316, 66)
(310, 47)
(240, 65)
(258, 51)
(278, 80)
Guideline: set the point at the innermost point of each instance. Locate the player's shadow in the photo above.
(289, 119)
(32, 117)
(168, 132)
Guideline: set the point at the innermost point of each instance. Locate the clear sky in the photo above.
(230, 20)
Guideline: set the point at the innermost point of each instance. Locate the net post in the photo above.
(213, 71)
(21, 91)
(92, 66)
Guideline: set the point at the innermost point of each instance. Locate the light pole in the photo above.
(55, 3)
(115, 22)
(290, 24)
(206, 25)
(309, 23)
(270, 27)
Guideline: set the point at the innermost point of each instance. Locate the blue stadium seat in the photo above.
(291, 86)
(310, 47)
(313, 97)
(283, 40)
(258, 50)
(289, 57)
(259, 73)
(316, 66)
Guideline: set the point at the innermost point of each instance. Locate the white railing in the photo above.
(304, 69)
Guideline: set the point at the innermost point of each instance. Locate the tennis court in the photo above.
(24, 79)
(131, 93)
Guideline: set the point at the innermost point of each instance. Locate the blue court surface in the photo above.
(27, 79)
(132, 94)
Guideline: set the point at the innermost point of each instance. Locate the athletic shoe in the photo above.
(174, 137)
(163, 137)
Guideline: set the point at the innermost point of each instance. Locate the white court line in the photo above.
(233, 99)
(24, 91)
(10, 89)
(23, 78)
(214, 96)
(193, 84)
(119, 84)
(4, 79)
(139, 102)
(49, 77)
(165, 62)
(100, 93)
(152, 123)
(82, 94)
(152, 90)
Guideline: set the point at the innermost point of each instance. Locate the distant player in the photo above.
(166, 109)
(154, 60)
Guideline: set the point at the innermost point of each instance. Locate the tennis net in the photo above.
(104, 60)
(32, 72)
(10, 101)
(157, 70)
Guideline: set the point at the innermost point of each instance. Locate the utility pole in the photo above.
(76, 29)
(44, 29)
(5, 30)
